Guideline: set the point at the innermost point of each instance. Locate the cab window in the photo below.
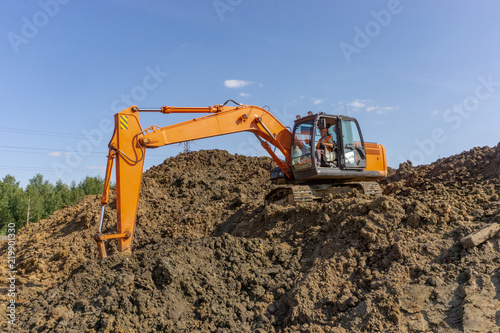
(331, 125)
(353, 145)
(301, 147)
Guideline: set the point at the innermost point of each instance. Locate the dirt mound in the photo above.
(186, 195)
(192, 193)
(175, 284)
(210, 257)
(473, 166)
(393, 263)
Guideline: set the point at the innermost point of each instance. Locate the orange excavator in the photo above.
(308, 172)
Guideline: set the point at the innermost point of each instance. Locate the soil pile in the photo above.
(192, 193)
(186, 195)
(188, 285)
(210, 257)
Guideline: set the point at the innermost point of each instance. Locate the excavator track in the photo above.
(294, 194)
(289, 195)
(372, 188)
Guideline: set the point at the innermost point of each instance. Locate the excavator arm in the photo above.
(129, 144)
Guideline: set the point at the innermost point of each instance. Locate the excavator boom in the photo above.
(129, 143)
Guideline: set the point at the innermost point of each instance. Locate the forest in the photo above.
(40, 198)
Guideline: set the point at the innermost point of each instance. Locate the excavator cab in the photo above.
(347, 159)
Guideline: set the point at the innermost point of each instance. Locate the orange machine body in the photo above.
(129, 144)
(375, 158)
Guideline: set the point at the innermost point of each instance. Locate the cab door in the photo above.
(301, 145)
(353, 155)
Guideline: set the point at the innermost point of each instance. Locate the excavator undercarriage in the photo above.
(296, 194)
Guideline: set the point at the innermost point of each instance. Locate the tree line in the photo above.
(40, 198)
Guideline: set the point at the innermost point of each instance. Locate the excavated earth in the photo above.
(210, 257)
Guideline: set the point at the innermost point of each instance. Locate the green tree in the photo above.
(13, 203)
(42, 198)
(34, 192)
(63, 194)
(76, 192)
(92, 185)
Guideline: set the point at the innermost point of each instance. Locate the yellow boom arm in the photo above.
(129, 143)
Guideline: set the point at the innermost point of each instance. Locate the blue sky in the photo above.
(421, 77)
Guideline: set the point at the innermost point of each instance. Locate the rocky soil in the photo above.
(210, 257)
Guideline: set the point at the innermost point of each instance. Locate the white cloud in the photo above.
(242, 94)
(58, 153)
(358, 103)
(236, 83)
(379, 109)
(317, 101)
(385, 109)
(366, 105)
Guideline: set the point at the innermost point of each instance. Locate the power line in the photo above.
(37, 132)
(6, 167)
(38, 148)
(58, 150)
(48, 154)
